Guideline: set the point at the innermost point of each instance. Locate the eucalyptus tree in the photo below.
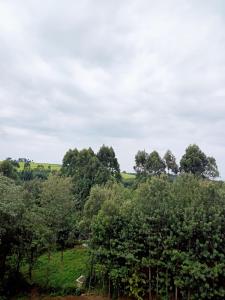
(196, 162)
(141, 162)
(170, 161)
(107, 157)
(86, 170)
(155, 164)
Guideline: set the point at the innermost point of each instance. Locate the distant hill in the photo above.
(127, 177)
(46, 166)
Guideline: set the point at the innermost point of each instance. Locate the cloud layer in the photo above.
(132, 74)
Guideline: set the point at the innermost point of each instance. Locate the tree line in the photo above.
(193, 161)
(162, 236)
(164, 240)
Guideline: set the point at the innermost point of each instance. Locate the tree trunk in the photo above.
(157, 281)
(2, 266)
(31, 264)
(109, 292)
(91, 271)
(62, 256)
(149, 283)
(167, 296)
(175, 293)
(189, 295)
(18, 263)
(48, 266)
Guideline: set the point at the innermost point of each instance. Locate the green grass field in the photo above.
(53, 167)
(56, 275)
(56, 167)
(128, 175)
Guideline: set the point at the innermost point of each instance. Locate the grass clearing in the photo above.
(56, 275)
(127, 176)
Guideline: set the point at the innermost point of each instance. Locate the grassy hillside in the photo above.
(34, 165)
(56, 167)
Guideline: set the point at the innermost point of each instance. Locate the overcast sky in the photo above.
(141, 74)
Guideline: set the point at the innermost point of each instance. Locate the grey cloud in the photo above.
(131, 74)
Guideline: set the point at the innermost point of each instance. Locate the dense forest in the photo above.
(159, 235)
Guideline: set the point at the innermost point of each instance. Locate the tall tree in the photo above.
(196, 162)
(170, 161)
(211, 170)
(155, 165)
(86, 171)
(141, 162)
(12, 210)
(107, 157)
(57, 204)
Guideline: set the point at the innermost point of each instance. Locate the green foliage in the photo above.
(86, 170)
(166, 238)
(21, 230)
(149, 164)
(141, 162)
(8, 168)
(163, 237)
(155, 165)
(107, 157)
(57, 206)
(170, 162)
(196, 162)
(211, 170)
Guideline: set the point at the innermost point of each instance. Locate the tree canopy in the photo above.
(196, 162)
(107, 157)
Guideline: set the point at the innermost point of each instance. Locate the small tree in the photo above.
(57, 204)
(141, 162)
(211, 170)
(170, 162)
(8, 168)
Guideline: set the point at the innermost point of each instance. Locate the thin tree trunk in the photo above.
(48, 266)
(109, 292)
(18, 263)
(2, 265)
(31, 264)
(189, 295)
(175, 293)
(167, 296)
(62, 255)
(157, 281)
(150, 285)
(90, 277)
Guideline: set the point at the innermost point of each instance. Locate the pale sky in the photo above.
(133, 75)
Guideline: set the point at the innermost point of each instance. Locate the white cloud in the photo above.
(131, 74)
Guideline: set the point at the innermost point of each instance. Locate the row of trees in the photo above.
(42, 213)
(160, 236)
(165, 239)
(88, 169)
(35, 217)
(193, 161)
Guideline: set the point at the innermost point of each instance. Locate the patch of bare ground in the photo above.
(35, 296)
